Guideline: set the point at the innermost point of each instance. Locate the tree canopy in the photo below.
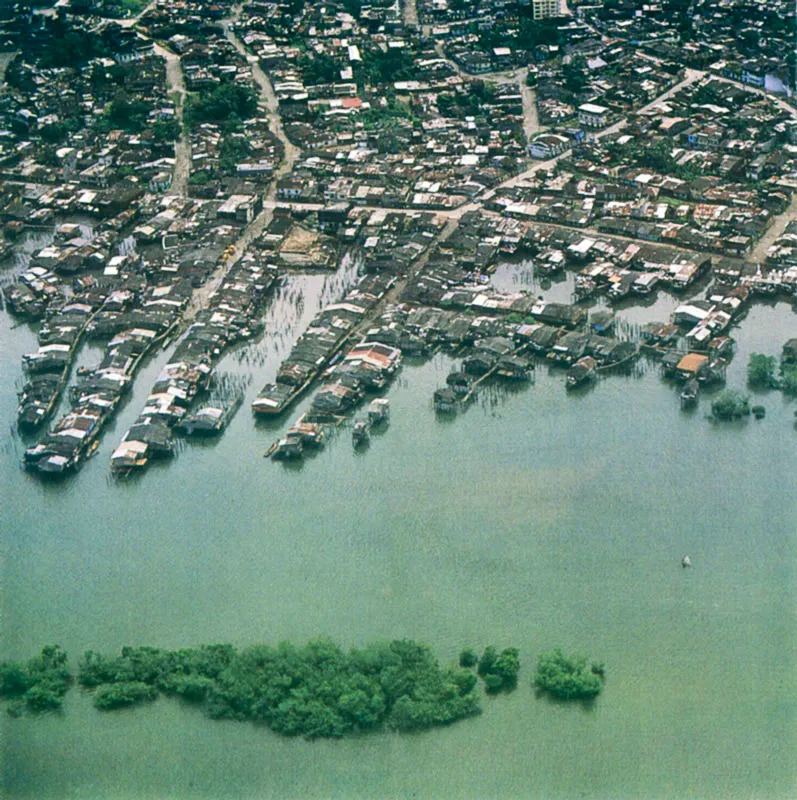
(567, 676)
(730, 404)
(228, 103)
(575, 74)
(789, 379)
(499, 670)
(38, 685)
(314, 691)
(129, 114)
(761, 371)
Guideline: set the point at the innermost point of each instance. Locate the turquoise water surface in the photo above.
(536, 519)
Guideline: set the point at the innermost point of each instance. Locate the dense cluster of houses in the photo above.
(324, 337)
(710, 168)
(230, 316)
(147, 155)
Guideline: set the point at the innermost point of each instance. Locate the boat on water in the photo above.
(689, 393)
(446, 401)
(361, 432)
(686, 562)
(585, 288)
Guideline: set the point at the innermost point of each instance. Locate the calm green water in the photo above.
(536, 519)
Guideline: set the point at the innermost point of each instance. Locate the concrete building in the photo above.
(593, 116)
(548, 145)
(543, 9)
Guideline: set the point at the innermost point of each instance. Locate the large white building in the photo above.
(543, 9)
(593, 116)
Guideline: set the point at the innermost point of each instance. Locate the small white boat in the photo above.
(686, 561)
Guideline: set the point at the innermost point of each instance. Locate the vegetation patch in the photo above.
(227, 104)
(499, 670)
(761, 372)
(126, 693)
(469, 103)
(37, 685)
(788, 382)
(567, 676)
(730, 404)
(313, 691)
(127, 113)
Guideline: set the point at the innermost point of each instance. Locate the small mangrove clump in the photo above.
(761, 372)
(313, 691)
(37, 685)
(788, 382)
(567, 677)
(499, 670)
(468, 658)
(730, 404)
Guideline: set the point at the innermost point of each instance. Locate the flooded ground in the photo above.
(538, 518)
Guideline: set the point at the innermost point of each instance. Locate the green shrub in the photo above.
(468, 658)
(499, 670)
(314, 691)
(730, 404)
(39, 685)
(44, 696)
(226, 104)
(788, 373)
(761, 371)
(566, 677)
(119, 695)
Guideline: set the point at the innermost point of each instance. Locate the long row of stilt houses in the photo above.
(97, 393)
(230, 316)
(354, 346)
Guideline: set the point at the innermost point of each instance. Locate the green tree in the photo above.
(487, 661)
(575, 74)
(730, 404)
(499, 670)
(49, 157)
(533, 33)
(233, 149)
(54, 132)
(126, 693)
(566, 677)
(40, 684)
(13, 679)
(320, 68)
(166, 130)
(315, 691)
(129, 114)
(761, 371)
(227, 101)
(657, 156)
(377, 67)
(788, 373)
